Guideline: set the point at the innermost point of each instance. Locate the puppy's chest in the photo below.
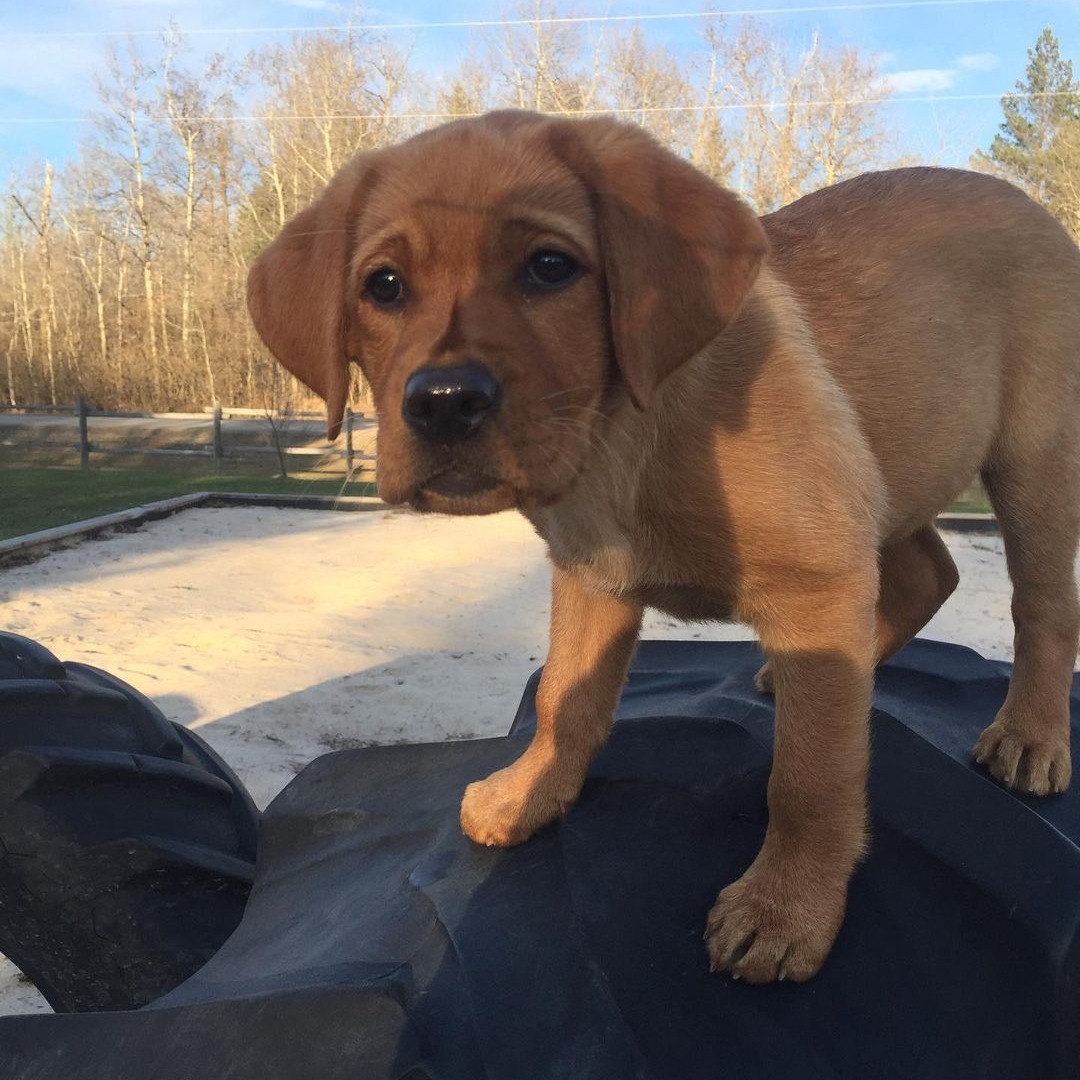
(659, 566)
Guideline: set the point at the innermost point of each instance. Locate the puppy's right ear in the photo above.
(296, 291)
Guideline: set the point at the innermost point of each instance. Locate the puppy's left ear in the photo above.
(680, 253)
(296, 291)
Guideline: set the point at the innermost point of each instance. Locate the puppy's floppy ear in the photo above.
(680, 253)
(296, 291)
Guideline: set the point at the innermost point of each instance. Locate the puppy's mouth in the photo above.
(455, 483)
(458, 489)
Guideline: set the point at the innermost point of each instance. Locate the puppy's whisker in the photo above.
(570, 390)
(594, 433)
(615, 463)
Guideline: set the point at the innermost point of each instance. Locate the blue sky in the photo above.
(948, 62)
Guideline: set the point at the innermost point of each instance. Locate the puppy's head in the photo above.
(504, 283)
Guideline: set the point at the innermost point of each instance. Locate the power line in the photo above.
(621, 111)
(556, 20)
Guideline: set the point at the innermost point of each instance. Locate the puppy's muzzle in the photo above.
(447, 404)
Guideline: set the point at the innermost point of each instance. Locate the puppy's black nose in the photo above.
(447, 404)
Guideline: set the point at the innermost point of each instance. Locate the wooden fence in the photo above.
(215, 450)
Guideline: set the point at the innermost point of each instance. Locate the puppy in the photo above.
(718, 416)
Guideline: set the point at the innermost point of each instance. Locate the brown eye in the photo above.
(385, 287)
(548, 269)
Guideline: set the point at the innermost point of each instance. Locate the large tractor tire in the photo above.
(127, 846)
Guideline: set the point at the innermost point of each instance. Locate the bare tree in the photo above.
(543, 65)
(806, 116)
(88, 248)
(13, 304)
(125, 119)
(330, 95)
(194, 104)
(467, 92)
(647, 85)
(709, 150)
(42, 225)
(1063, 187)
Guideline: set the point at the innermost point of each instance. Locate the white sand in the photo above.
(282, 634)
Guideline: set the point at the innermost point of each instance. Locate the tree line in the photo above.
(122, 273)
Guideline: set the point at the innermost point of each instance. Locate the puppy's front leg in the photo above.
(592, 641)
(780, 918)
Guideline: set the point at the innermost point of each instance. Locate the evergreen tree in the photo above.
(1046, 102)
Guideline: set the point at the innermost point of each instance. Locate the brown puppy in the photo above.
(718, 416)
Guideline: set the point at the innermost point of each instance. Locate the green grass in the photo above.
(37, 497)
(971, 506)
(40, 498)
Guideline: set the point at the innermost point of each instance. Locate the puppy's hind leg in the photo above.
(1037, 500)
(917, 576)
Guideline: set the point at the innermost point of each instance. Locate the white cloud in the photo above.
(979, 61)
(920, 80)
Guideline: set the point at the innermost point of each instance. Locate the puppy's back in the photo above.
(946, 303)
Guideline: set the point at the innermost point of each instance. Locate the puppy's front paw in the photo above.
(1026, 757)
(510, 805)
(761, 929)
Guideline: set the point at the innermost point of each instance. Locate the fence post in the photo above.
(219, 450)
(84, 437)
(348, 443)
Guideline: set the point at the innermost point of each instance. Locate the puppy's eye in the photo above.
(549, 269)
(385, 287)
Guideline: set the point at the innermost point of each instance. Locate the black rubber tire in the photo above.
(127, 846)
